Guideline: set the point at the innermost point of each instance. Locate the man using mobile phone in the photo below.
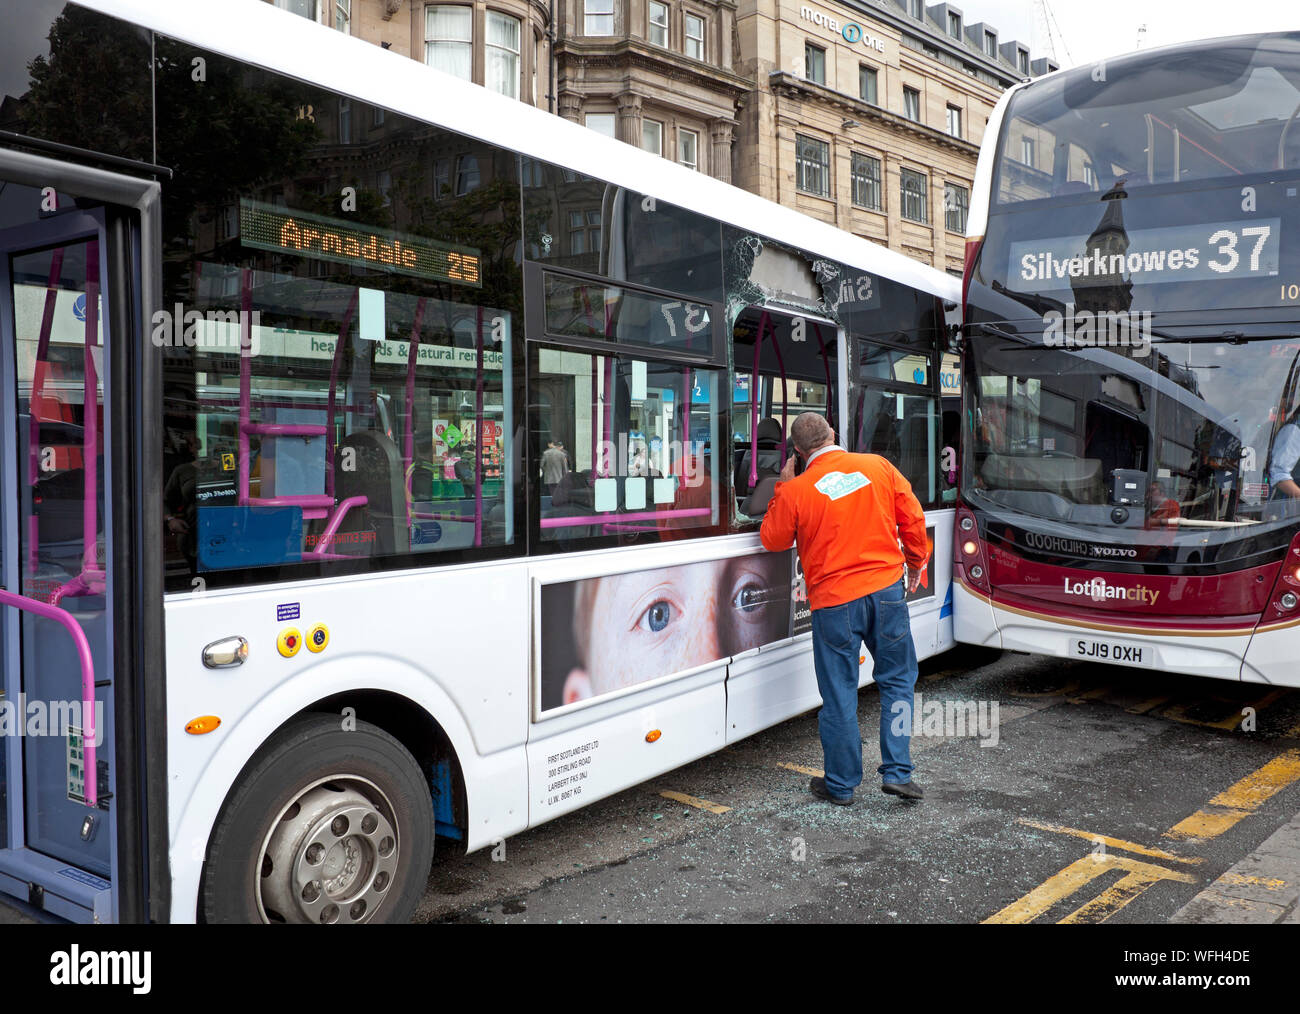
(847, 513)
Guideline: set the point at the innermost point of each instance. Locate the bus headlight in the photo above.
(967, 524)
(1289, 600)
(977, 572)
(969, 548)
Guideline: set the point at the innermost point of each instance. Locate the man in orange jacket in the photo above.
(847, 513)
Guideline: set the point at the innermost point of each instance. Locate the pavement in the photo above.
(1262, 888)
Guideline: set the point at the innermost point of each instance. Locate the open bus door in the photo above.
(69, 285)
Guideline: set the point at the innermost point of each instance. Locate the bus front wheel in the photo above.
(325, 825)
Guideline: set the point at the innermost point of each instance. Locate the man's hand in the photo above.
(787, 470)
(914, 576)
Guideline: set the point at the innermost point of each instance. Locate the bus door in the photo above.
(56, 688)
(784, 364)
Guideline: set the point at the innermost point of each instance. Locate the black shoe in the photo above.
(908, 790)
(818, 788)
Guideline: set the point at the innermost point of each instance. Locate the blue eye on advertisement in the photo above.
(604, 634)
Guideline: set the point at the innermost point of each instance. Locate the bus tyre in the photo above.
(323, 826)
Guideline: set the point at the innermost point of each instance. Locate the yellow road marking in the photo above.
(1178, 712)
(1089, 695)
(815, 772)
(1079, 873)
(695, 801)
(1145, 706)
(1261, 785)
(1205, 824)
(1138, 878)
(1246, 880)
(1113, 843)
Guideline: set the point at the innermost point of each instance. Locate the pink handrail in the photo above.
(88, 730)
(478, 426)
(331, 529)
(753, 404)
(408, 438)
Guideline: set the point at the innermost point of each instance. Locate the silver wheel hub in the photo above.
(331, 857)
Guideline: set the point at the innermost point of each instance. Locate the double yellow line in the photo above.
(1222, 812)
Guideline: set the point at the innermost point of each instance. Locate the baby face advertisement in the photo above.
(603, 634)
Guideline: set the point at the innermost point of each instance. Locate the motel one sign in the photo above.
(851, 30)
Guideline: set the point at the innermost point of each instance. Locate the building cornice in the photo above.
(940, 40)
(675, 66)
(792, 86)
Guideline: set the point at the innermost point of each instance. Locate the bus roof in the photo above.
(260, 34)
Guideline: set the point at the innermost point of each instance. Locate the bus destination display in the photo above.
(1184, 253)
(281, 230)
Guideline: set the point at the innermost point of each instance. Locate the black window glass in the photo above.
(584, 224)
(76, 77)
(342, 299)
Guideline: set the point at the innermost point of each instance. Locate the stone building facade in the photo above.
(867, 114)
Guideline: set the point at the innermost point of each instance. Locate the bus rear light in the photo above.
(1283, 601)
(969, 564)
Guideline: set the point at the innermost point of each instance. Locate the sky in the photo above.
(1094, 29)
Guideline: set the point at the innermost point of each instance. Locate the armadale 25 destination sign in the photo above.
(282, 230)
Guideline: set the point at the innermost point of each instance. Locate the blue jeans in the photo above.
(881, 622)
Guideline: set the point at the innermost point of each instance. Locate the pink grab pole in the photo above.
(88, 730)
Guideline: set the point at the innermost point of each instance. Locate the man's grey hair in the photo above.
(810, 430)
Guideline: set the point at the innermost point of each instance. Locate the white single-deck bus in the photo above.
(1132, 365)
(379, 461)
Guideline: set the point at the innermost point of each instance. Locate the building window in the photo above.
(1088, 177)
(956, 205)
(384, 184)
(598, 17)
(991, 45)
(694, 37)
(867, 83)
(912, 191)
(601, 123)
(1022, 58)
(914, 8)
(584, 231)
(345, 121)
(866, 181)
(343, 16)
(1027, 150)
(448, 34)
(503, 33)
(467, 175)
(812, 161)
(658, 34)
(377, 115)
(537, 62)
(954, 25)
(652, 136)
(688, 148)
(954, 121)
(304, 8)
(912, 104)
(814, 63)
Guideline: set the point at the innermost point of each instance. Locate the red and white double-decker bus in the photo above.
(1132, 365)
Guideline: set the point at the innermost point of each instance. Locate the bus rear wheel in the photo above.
(323, 826)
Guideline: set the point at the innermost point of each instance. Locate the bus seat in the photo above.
(769, 456)
(378, 476)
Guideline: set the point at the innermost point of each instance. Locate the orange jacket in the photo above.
(847, 512)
